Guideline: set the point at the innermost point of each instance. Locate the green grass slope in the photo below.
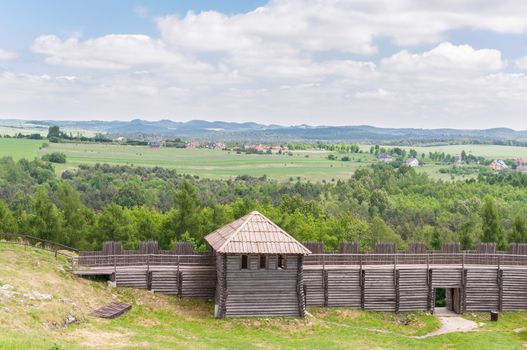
(38, 295)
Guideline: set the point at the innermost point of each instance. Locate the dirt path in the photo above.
(450, 322)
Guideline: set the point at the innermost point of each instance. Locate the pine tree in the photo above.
(519, 230)
(437, 239)
(46, 221)
(7, 222)
(492, 232)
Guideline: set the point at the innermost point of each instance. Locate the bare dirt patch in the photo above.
(451, 324)
(97, 339)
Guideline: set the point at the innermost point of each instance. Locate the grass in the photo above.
(311, 165)
(166, 322)
(20, 148)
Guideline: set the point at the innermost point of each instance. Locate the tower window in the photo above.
(245, 260)
(281, 262)
(263, 261)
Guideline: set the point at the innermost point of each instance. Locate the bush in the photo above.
(55, 157)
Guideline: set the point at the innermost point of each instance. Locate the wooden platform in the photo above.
(111, 310)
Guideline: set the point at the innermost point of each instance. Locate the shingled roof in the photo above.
(254, 234)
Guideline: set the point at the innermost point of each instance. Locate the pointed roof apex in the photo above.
(254, 234)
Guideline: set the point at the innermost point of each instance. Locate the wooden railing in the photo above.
(93, 261)
(500, 259)
(37, 243)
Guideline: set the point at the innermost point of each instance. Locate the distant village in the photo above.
(497, 165)
(193, 144)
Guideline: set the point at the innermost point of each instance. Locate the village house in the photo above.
(216, 145)
(522, 169)
(385, 157)
(192, 144)
(412, 162)
(498, 165)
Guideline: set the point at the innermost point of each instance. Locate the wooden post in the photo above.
(325, 285)
(149, 280)
(500, 289)
(464, 289)
(360, 264)
(362, 280)
(397, 293)
(148, 263)
(180, 284)
(430, 290)
(224, 293)
(427, 262)
(300, 287)
(179, 277)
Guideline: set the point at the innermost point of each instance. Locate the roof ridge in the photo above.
(237, 230)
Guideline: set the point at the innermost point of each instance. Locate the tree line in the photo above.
(91, 204)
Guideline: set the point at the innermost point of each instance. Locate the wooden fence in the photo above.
(427, 259)
(37, 243)
(136, 259)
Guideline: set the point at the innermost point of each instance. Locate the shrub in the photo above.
(55, 157)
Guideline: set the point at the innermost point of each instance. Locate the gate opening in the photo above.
(440, 297)
(448, 298)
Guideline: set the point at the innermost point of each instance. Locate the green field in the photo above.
(20, 148)
(311, 165)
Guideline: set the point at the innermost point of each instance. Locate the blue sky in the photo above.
(387, 63)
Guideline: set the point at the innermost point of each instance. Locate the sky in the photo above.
(387, 63)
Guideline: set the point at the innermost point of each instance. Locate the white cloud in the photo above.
(7, 55)
(341, 25)
(447, 57)
(106, 52)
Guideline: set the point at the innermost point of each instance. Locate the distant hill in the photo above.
(254, 132)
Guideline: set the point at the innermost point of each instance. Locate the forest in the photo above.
(378, 203)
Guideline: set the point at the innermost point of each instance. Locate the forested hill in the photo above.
(253, 132)
(92, 204)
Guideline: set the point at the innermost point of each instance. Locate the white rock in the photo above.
(34, 295)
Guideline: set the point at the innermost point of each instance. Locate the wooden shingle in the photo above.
(254, 234)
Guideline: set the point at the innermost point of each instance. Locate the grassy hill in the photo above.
(38, 295)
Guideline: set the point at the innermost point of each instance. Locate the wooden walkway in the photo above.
(111, 310)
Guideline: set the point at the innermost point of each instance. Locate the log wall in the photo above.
(262, 292)
(198, 282)
(412, 289)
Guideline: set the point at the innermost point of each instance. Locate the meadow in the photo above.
(312, 165)
(20, 148)
(306, 165)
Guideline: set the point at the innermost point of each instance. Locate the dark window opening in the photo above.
(263, 262)
(281, 262)
(245, 260)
